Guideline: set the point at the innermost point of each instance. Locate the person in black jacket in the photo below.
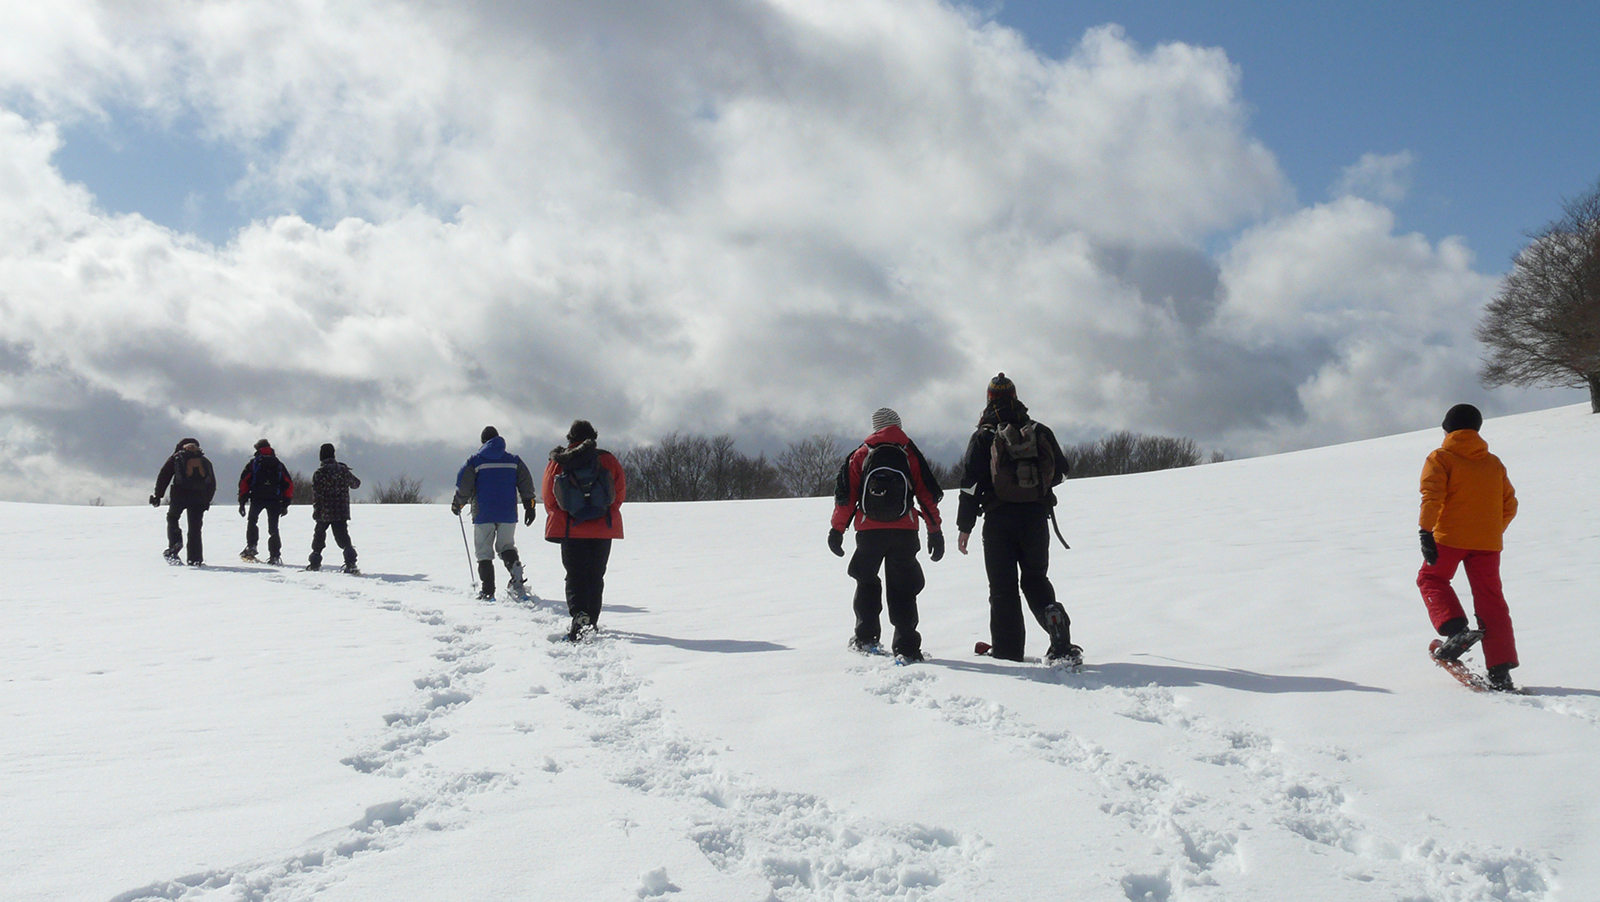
(264, 485)
(194, 484)
(1009, 473)
(330, 493)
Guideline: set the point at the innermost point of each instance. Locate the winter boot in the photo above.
(486, 577)
(1068, 654)
(580, 628)
(513, 563)
(248, 554)
(171, 554)
(1456, 644)
(351, 568)
(1500, 678)
(275, 560)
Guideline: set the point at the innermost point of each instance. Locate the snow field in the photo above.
(1256, 720)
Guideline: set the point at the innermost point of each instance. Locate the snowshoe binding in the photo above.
(1456, 645)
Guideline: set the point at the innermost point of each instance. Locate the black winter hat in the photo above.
(326, 453)
(489, 432)
(582, 430)
(262, 443)
(1463, 416)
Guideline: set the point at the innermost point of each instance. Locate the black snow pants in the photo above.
(197, 512)
(341, 534)
(1016, 554)
(252, 531)
(585, 561)
(895, 550)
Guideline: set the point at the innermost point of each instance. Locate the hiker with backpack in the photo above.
(330, 508)
(494, 481)
(1008, 475)
(584, 488)
(264, 485)
(194, 484)
(878, 490)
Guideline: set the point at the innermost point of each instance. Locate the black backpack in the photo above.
(190, 470)
(584, 489)
(266, 478)
(886, 492)
(1021, 465)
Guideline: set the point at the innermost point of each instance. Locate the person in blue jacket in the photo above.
(494, 481)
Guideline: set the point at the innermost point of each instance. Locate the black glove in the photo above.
(935, 546)
(283, 510)
(455, 508)
(155, 500)
(242, 505)
(527, 514)
(836, 542)
(1430, 550)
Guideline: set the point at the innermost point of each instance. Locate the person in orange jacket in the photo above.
(878, 490)
(1467, 503)
(583, 489)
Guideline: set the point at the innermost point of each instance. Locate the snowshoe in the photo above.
(351, 569)
(1454, 646)
(1070, 657)
(1500, 679)
(581, 629)
(866, 646)
(275, 560)
(314, 565)
(249, 556)
(909, 657)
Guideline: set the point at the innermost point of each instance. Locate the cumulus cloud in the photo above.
(759, 216)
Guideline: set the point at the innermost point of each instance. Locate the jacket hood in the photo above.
(1466, 443)
(892, 434)
(265, 452)
(579, 452)
(496, 445)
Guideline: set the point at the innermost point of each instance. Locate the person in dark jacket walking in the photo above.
(1008, 475)
(879, 489)
(330, 493)
(494, 481)
(194, 484)
(584, 488)
(264, 485)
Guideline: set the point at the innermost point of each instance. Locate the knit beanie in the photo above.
(489, 432)
(1001, 387)
(882, 417)
(326, 453)
(1462, 416)
(581, 431)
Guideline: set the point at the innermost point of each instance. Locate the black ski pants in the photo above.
(1016, 555)
(341, 534)
(197, 512)
(252, 532)
(895, 550)
(585, 561)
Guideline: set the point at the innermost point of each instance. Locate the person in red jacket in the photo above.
(1467, 503)
(583, 489)
(878, 490)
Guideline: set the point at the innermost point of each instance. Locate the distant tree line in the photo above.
(1126, 452)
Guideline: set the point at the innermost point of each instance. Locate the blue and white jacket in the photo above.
(496, 482)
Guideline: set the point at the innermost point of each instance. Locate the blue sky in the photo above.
(388, 224)
(1494, 101)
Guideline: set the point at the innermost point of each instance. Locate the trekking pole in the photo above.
(472, 571)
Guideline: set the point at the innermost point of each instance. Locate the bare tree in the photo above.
(1126, 452)
(808, 467)
(400, 490)
(302, 488)
(1543, 327)
(696, 468)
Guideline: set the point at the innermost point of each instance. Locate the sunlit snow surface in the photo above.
(1257, 719)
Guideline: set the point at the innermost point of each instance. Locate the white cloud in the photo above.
(774, 216)
(1382, 178)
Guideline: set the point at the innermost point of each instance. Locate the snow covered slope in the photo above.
(1257, 720)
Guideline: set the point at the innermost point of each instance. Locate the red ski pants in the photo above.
(1488, 601)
